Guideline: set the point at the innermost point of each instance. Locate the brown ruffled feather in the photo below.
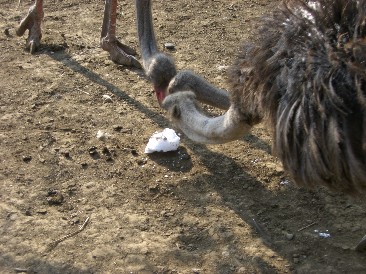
(305, 74)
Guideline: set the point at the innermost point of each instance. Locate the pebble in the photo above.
(170, 46)
(101, 135)
(107, 98)
(54, 197)
(117, 128)
(42, 211)
(242, 270)
(141, 162)
(27, 159)
(7, 32)
(289, 236)
(225, 253)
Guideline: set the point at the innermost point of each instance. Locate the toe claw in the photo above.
(32, 23)
(32, 47)
(120, 53)
(361, 245)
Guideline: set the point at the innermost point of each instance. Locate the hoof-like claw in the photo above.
(120, 53)
(361, 245)
(32, 22)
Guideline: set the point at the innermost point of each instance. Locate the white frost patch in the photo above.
(164, 141)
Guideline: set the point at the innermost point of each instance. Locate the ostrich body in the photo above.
(304, 76)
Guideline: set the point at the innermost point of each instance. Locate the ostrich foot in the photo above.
(361, 245)
(120, 53)
(32, 22)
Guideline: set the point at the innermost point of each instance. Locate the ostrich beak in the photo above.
(160, 94)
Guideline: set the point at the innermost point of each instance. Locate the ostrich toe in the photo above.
(32, 22)
(361, 247)
(120, 53)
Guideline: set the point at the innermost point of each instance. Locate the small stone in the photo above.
(54, 197)
(66, 154)
(141, 162)
(242, 270)
(94, 153)
(7, 32)
(106, 151)
(170, 46)
(27, 159)
(154, 188)
(101, 135)
(75, 221)
(108, 62)
(13, 217)
(107, 98)
(289, 236)
(117, 128)
(42, 211)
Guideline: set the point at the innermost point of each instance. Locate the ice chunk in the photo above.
(164, 141)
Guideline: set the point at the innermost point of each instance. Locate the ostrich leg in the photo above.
(119, 52)
(32, 22)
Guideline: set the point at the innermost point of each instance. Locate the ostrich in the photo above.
(119, 53)
(304, 76)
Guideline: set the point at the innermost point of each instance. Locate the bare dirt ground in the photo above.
(203, 209)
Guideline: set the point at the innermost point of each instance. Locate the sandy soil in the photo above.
(203, 209)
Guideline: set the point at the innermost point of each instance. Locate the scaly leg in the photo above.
(119, 53)
(32, 22)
